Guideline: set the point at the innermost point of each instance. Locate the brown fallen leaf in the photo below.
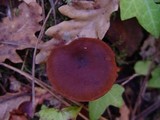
(125, 35)
(88, 19)
(25, 109)
(15, 85)
(29, 1)
(19, 33)
(124, 111)
(46, 48)
(16, 115)
(9, 102)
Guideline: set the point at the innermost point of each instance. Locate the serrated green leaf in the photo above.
(113, 97)
(146, 11)
(55, 114)
(154, 82)
(141, 67)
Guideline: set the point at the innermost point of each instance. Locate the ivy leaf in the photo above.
(55, 114)
(146, 11)
(156, 1)
(154, 82)
(141, 67)
(113, 97)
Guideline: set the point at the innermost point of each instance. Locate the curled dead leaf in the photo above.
(91, 21)
(9, 102)
(29, 1)
(88, 19)
(46, 49)
(124, 111)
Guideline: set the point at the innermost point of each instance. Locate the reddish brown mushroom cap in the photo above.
(84, 70)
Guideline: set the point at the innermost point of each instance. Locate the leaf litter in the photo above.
(88, 19)
(19, 33)
(84, 26)
(9, 102)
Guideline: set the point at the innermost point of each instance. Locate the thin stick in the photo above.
(52, 3)
(141, 93)
(8, 96)
(37, 81)
(84, 117)
(34, 55)
(129, 79)
(3, 89)
(24, 62)
(149, 110)
(40, 83)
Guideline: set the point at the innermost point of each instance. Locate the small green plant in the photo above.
(147, 13)
(54, 114)
(113, 97)
(142, 68)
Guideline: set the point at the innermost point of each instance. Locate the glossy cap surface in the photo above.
(83, 70)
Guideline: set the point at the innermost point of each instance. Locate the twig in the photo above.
(109, 113)
(53, 9)
(129, 79)
(9, 9)
(14, 44)
(37, 81)
(8, 96)
(24, 62)
(3, 89)
(34, 55)
(84, 117)
(141, 93)
(149, 110)
(40, 83)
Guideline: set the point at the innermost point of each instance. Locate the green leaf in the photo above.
(141, 67)
(55, 114)
(146, 11)
(156, 1)
(113, 97)
(154, 82)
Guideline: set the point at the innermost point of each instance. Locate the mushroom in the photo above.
(83, 70)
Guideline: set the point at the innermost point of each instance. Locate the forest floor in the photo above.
(24, 47)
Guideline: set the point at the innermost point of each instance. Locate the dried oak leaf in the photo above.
(15, 115)
(88, 19)
(46, 49)
(29, 1)
(9, 102)
(19, 33)
(125, 112)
